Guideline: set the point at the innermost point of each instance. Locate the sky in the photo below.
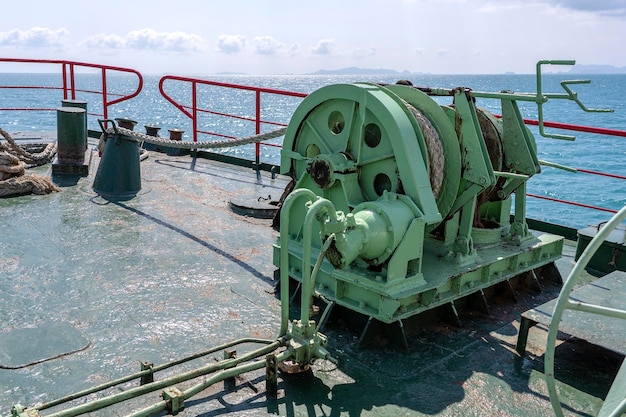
(203, 37)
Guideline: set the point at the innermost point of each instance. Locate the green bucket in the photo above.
(118, 176)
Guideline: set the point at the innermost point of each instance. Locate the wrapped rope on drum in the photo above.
(13, 162)
(434, 149)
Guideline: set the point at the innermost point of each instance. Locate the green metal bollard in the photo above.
(118, 177)
(71, 135)
(81, 105)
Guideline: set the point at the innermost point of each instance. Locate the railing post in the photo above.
(64, 74)
(105, 103)
(194, 119)
(257, 145)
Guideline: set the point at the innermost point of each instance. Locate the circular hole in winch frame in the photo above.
(312, 150)
(382, 183)
(336, 122)
(372, 135)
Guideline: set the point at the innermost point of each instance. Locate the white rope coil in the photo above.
(14, 159)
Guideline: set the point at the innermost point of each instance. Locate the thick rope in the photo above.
(32, 154)
(13, 162)
(434, 148)
(157, 140)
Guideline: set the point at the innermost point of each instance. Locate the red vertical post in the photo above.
(72, 82)
(64, 73)
(257, 146)
(105, 102)
(194, 106)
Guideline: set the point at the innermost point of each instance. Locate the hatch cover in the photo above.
(259, 207)
(24, 347)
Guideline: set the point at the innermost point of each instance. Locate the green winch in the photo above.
(423, 203)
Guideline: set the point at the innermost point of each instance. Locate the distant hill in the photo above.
(597, 69)
(361, 71)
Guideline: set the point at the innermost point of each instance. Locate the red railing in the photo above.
(193, 110)
(586, 129)
(69, 85)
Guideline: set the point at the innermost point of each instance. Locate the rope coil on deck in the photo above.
(14, 159)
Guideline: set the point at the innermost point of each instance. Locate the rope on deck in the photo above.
(157, 140)
(14, 159)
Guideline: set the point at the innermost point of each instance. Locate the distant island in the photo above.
(597, 69)
(362, 71)
(576, 69)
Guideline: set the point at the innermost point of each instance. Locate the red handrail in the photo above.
(193, 110)
(578, 128)
(69, 86)
(571, 203)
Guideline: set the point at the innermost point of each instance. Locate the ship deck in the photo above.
(98, 286)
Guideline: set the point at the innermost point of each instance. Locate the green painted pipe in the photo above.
(157, 385)
(307, 239)
(147, 372)
(284, 253)
(194, 390)
(564, 303)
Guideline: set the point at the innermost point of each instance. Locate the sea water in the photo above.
(588, 151)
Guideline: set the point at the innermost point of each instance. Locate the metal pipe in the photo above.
(596, 309)
(157, 385)
(153, 370)
(190, 392)
(307, 282)
(284, 253)
(563, 303)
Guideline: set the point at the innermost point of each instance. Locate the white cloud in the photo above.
(231, 44)
(363, 52)
(324, 47)
(34, 37)
(266, 45)
(146, 39)
(168, 41)
(104, 40)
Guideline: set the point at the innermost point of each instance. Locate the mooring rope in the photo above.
(14, 160)
(157, 140)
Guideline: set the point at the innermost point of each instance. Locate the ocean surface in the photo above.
(588, 151)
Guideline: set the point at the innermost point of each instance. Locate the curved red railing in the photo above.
(192, 110)
(69, 85)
